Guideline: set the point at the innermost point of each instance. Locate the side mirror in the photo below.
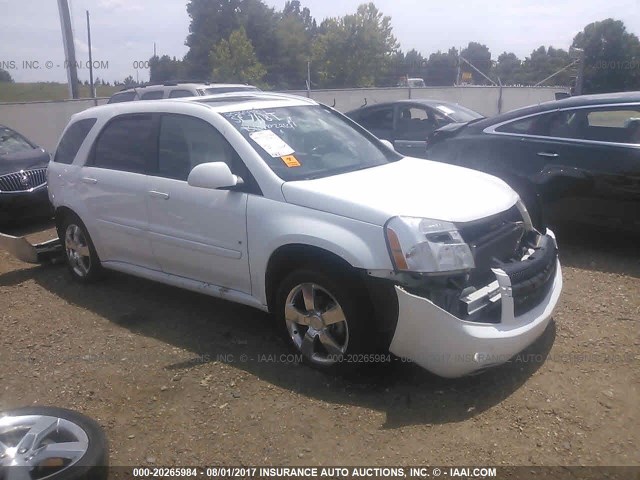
(388, 144)
(212, 175)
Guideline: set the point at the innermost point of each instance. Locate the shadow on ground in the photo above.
(599, 250)
(211, 328)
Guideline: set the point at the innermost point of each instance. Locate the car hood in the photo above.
(14, 162)
(409, 187)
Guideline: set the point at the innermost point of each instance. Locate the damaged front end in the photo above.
(454, 323)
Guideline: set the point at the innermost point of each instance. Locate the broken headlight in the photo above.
(423, 245)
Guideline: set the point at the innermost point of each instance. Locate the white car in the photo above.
(280, 203)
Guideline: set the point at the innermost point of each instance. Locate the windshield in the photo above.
(458, 113)
(12, 142)
(306, 142)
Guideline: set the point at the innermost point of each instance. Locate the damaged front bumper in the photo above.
(19, 247)
(525, 296)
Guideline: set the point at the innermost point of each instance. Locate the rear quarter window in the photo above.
(72, 140)
(122, 97)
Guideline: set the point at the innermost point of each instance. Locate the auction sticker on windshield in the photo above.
(290, 161)
(271, 143)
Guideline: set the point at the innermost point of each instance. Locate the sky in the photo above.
(124, 31)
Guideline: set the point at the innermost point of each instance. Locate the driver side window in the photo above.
(186, 142)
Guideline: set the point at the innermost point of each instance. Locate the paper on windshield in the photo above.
(271, 143)
(444, 109)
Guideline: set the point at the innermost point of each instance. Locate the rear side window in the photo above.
(377, 119)
(72, 140)
(181, 93)
(156, 95)
(127, 143)
(122, 97)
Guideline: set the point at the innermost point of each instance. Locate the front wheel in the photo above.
(325, 317)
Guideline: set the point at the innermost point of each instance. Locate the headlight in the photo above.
(426, 246)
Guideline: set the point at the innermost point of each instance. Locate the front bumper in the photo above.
(24, 205)
(451, 347)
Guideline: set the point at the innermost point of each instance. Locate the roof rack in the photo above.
(171, 83)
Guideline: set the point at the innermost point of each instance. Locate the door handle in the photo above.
(548, 154)
(91, 181)
(162, 195)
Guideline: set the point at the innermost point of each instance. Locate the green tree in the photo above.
(480, 57)
(215, 20)
(5, 76)
(235, 60)
(442, 68)
(294, 37)
(611, 56)
(355, 50)
(508, 69)
(165, 68)
(544, 62)
(128, 82)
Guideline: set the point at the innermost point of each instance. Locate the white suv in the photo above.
(178, 90)
(286, 205)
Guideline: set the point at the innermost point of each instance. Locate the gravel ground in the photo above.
(177, 378)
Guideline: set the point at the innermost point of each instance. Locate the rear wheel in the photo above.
(82, 259)
(325, 317)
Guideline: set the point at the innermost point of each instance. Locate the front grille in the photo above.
(492, 240)
(24, 180)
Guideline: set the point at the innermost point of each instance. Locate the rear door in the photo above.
(378, 120)
(113, 186)
(585, 162)
(413, 125)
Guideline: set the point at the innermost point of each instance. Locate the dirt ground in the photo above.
(177, 378)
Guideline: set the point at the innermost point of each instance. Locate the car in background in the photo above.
(411, 83)
(177, 90)
(408, 123)
(23, 178)
(578, 158)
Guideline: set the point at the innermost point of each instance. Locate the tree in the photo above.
(164, 69)
(294, 37)
(128, 82)
(5, 76)
(611, 56)
(480, 57)
(355, 50)
(508, 68)
(544, 62)
(215, 20)
(442, 68)
(235, 60)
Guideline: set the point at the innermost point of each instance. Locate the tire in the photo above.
(88, 460)
(327, 317)
(82, 259)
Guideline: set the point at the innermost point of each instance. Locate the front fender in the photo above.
(272, 224)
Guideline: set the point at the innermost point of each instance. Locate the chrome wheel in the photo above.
(77, 249)
(39, 446)
(316, 323)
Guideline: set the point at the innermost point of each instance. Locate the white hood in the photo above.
(409, 187)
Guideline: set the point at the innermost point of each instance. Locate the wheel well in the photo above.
(61, 214)
(291, 256)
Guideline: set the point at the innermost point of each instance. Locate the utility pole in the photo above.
(69, 48)
(309, 79)
(580, 79)
(91, 85)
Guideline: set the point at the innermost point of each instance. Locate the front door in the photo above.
(196, 233)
